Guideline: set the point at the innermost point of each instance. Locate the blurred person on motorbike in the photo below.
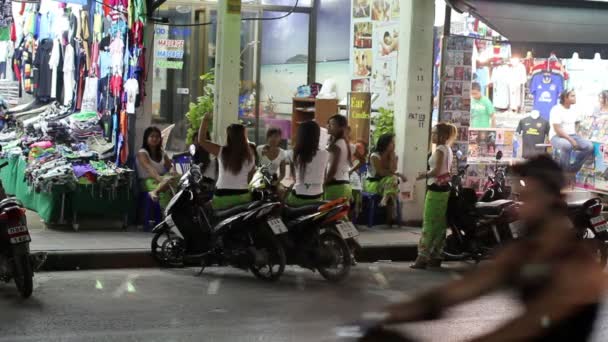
(555, 275)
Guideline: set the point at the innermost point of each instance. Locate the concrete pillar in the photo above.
(413, 105)
(227, 67)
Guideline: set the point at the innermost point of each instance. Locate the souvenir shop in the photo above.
(523, 81)
(76, 68)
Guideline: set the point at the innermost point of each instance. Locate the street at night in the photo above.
(229, 305)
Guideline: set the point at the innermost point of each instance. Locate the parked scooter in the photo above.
(477, 228)
(495, 188)
(245, 236)
(590, 224)
(15, 259)
(318, 233)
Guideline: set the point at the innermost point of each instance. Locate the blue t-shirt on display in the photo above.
(546, 90)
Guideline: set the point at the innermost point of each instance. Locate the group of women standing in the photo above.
(319, 172)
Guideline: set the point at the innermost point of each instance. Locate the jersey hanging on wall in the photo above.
(546, 89)
(533, 132)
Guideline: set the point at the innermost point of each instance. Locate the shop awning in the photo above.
(545, 26)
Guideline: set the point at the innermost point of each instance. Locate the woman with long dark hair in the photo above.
(236, 164)
(206, 161)
(308, 164)
(153, 164)
(382, 176)
(337, 181)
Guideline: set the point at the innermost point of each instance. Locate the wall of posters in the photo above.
(374, 49)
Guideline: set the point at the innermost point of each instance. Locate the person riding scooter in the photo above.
(553, 273)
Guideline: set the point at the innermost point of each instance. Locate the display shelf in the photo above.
(307, 109)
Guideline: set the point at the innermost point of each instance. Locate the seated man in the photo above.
(563, 135)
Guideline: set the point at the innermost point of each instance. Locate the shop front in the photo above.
(513, 60)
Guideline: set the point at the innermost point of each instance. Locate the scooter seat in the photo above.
(225, 213)
(577, 204)
(492, 208)
(293, 212)
(10, 202)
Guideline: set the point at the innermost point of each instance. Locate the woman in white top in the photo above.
(236, 164)
(153, 164)
(337, 181)
(438, 192)
(308, 164)
(273, 155)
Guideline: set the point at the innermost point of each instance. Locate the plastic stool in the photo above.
(373, 201)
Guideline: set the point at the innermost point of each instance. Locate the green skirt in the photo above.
(335, 191)
(293, 201)
(150, 184)
(229, 201)
(386, 186)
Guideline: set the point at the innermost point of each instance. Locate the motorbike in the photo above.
(318, 233)
(477, 228)
(245, 236)
(590, 225)
(495, 187)
(15, 260)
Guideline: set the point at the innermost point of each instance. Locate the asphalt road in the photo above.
(229, 305)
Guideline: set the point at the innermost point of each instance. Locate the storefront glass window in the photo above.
(333, 39)
(301, 3)
(284, 67)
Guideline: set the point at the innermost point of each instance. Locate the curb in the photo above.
(142, 258)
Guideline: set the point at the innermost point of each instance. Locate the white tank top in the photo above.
(227, 180)
(311, 183)
(275, 164)
(158, 166)
(447, 162)
(343, 169)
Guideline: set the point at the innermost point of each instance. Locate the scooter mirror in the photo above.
(192, 150)
(459, 154)
(499, 155)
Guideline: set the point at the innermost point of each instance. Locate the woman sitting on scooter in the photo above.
(206, 162)
(236, 164)
(308, 164)
(337, 180)
(272, 154)
(382, 176)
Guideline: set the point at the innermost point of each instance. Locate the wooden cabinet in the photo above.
(306, 109)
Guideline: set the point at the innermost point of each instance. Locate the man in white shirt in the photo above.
(563, 135)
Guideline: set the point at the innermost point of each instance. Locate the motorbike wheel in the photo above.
(24, 275)
(340, 266)
(169, 251)
(265, 241)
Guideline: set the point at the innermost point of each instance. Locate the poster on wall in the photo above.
(485, 143)
(384, 75)
(374, 49)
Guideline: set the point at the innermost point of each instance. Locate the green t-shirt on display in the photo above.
(481, 112)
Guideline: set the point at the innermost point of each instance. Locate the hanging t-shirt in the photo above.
(116, 52)
(481, 112)
(533, 132)
(132, 89)
(89, 98)
(69, 82)
(483, 78)
(54, 65)
(546, 90)
(44, 76)
(500, 79)
(516, 81)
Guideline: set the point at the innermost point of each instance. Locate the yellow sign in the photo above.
(359, 109)
(234, 6)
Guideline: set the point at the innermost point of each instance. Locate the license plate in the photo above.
(599, 224)
(18, 235)
(277, 226)
(347, 230)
